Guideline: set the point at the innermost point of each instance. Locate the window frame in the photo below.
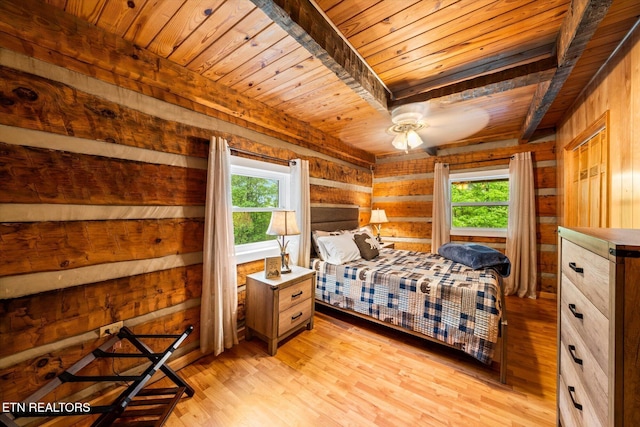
(479, 175)
(258, 169)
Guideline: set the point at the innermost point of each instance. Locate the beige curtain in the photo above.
(440, 223)
(521, 231)
(301, 201)
(219, 304)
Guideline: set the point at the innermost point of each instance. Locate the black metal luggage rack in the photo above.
(135, 406)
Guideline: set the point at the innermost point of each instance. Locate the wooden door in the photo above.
(587, 179)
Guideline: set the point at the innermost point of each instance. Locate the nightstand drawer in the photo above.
(295, 294)
(588, 272)
(294, 316)
(587, 321)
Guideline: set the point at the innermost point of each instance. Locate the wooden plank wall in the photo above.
(102, 221)
(403, 187)
(101, 213)
(615, 89)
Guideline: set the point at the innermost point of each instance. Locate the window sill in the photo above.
(480, 232)
(255, 255)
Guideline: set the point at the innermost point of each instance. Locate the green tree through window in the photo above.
(253, 200)
(480, 204)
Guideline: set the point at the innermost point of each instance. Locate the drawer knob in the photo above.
(572, 265)
(572, 352)
(572, 391)
(296, 295)
(297, 316)
(572, 308)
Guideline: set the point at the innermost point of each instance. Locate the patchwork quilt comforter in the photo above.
(422, 292)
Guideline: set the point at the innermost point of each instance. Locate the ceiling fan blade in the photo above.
(432, 151)
(449, 124)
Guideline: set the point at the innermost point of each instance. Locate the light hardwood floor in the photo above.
(346, 372)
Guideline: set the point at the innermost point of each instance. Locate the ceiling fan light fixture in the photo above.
(409, 113)
(409, 117)
(407, 121)
(405, 136)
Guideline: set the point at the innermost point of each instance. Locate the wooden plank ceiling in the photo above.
(342, 65)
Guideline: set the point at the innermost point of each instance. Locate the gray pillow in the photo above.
(366, 245)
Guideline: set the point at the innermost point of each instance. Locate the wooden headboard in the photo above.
(332, 219)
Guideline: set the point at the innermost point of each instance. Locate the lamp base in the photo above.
(285, 263)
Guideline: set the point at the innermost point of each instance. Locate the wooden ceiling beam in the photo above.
(512, 78)
(485, 66)
(579, 25)
(302, 21)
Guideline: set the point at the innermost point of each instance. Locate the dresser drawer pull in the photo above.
(297, 316)
(572, 265)
(572, 390)
(572, 352)
(296, 295)
(572, 307)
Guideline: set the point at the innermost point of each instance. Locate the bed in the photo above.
(420, 293)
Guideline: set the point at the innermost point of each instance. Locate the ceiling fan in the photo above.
(433, 124)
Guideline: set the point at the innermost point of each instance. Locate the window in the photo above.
(257, 189)
(479, 203)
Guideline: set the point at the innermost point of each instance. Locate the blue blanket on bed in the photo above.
(476, 256)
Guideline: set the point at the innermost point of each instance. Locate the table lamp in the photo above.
(378, 216)
(283, 223)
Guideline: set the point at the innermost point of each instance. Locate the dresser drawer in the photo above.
(576, 406)
(587, 322)
(589, 272)
(573, 351)
(294, 316)
(294, 294)
(569, 415)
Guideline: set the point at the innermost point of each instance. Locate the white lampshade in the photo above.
(283, 223)
(400, 141)
(378, 216)
(413, 139)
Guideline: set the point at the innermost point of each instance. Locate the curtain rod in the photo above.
(480, 161)
(262, 156)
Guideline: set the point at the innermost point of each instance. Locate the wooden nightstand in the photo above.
(278, 308)
(388, 245)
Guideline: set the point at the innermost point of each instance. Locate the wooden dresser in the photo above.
(599, 327)
(276, 308)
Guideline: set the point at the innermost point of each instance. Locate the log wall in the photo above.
(403, 187)
(616, 90)
(102, 204)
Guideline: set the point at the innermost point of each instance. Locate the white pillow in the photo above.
(320, 252)
(338, 249)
